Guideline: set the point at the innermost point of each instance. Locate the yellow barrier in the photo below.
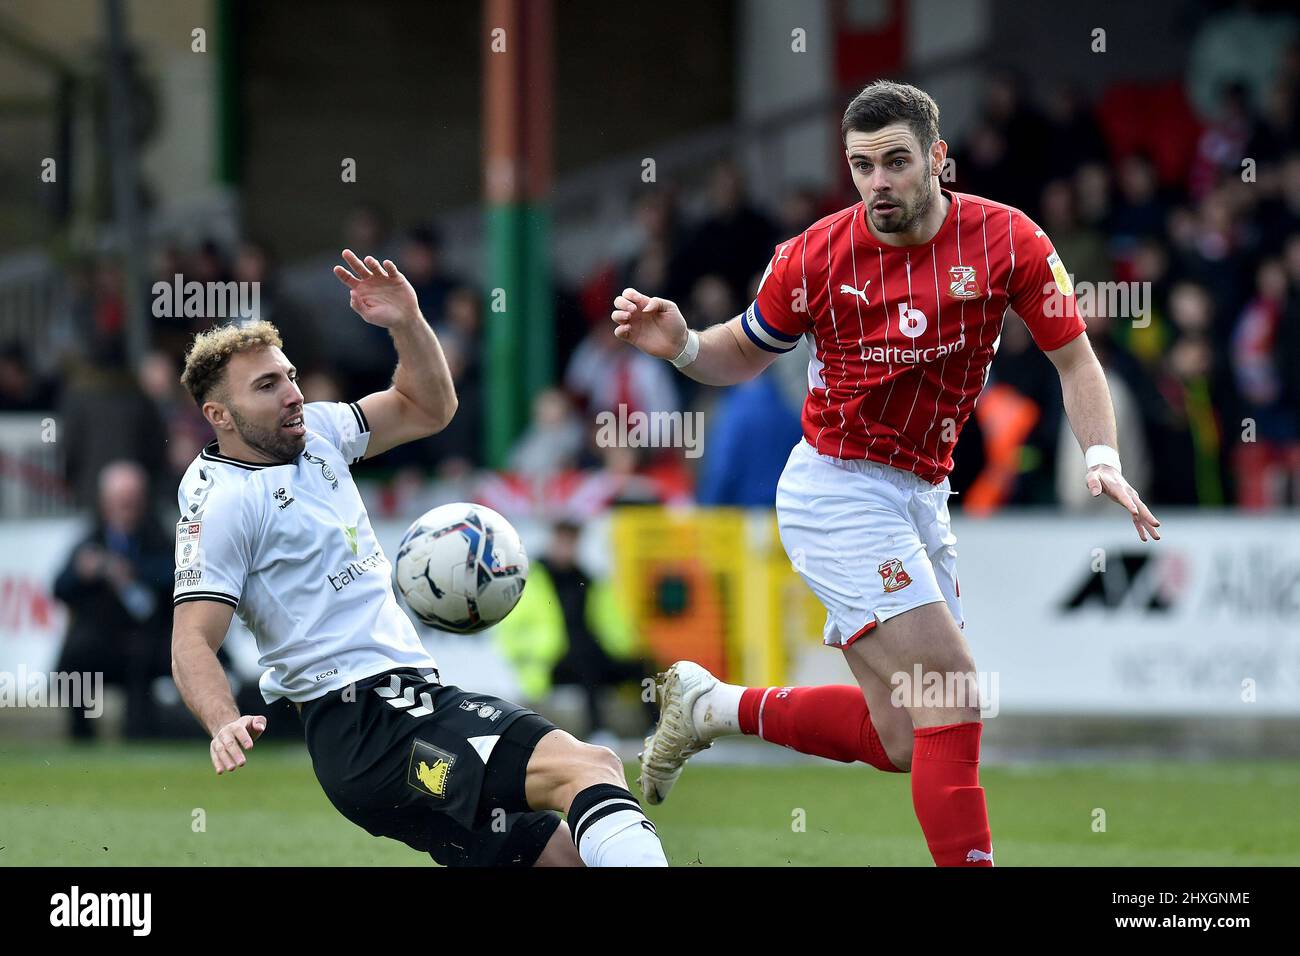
(713, 586)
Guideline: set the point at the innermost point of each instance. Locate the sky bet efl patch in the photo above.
(1062, 277)
(187, 542)
(430, 768)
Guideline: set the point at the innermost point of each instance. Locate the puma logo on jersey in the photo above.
(860, 293)
(975, 856)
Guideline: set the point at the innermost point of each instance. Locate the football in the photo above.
(461, 567)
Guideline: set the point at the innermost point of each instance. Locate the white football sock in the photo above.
(717, 712)
(609, 829)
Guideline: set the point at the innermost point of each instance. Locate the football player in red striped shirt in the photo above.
(901, 298)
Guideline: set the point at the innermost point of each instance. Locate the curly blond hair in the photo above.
(206, 360)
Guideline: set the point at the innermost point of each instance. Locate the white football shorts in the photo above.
(871, 541)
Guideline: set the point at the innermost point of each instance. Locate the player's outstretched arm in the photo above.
(198, 629)
(1092, 418)
(656, 327)
(422, 399)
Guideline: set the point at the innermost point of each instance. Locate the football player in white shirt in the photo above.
(272, 528)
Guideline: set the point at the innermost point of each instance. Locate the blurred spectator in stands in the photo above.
(320, 385)
(209, 263)
(1092, 195)
(107, 345)
(1025, 136)
(366, 230)
(711, 302)
(553, 440)
(1139, 212)
(255, 262)
(1222, 144)
(734, 238)
(117, 585)
(1279, 216)
(655, 262)
(1214, 259)
(604, 374)
(1186, 428)
(104, 416)
(421, 262)
(1146, 337)
(569, 628)
(186, 429)
(1024, 396)
(1269, 451)
(1082, 248)
(755, 425)
(171, 330)
(21, 389)
(461, 339)
(1278, 125)
(798, 210)
(1073, 138)
(1287, 345)
(983, 164)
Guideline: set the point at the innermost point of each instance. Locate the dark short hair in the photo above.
(884, 102)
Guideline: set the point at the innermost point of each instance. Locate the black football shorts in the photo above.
(439, 768)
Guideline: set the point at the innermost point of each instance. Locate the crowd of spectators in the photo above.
(1198, 215)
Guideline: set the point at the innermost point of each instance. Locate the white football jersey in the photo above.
(290, 547)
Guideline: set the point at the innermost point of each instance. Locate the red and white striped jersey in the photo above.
(902, 336)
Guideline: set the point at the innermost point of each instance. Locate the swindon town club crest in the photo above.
(892, 573)
(963, 285)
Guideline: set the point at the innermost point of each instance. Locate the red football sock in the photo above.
(947, 795)
(823, 721)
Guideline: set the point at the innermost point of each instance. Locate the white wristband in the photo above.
(1101, 455)
(689, 351)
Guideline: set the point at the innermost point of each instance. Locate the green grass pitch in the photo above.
(136, 806)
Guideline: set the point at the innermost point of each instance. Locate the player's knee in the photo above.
(606, 764)
(898, 748)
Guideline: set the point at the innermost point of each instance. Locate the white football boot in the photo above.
(675, 738)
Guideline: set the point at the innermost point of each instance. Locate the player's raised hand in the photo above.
(380, 294)
(230, 742)
(1104, 478)
(653, 325)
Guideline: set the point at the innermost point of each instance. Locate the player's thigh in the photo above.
(913, 649)
(562, 766)
(892, 722)
(849, 535)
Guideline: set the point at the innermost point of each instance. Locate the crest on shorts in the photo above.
(187, 542)
(963, 285)
(430, 768)
(892, 573)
